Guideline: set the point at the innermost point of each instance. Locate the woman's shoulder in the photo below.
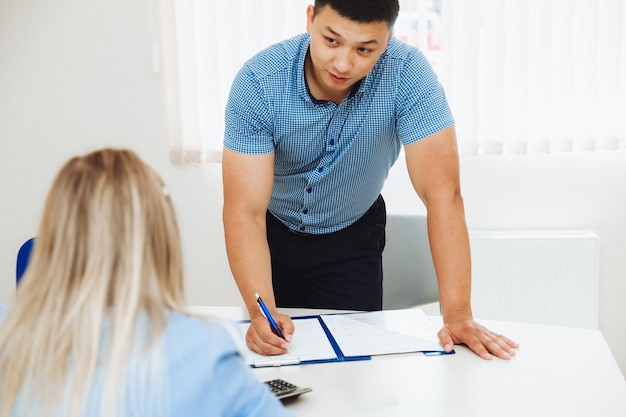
(210, 376)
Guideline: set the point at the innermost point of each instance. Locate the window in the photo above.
(522, 76)
(536, 76)
(207, 41)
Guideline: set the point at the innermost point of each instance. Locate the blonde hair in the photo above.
(107, 251)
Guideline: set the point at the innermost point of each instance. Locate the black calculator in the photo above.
(284, 390)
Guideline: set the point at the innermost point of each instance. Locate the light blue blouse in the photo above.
(205, 375)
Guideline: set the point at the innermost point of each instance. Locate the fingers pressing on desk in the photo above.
(478, 338)
(263, 341)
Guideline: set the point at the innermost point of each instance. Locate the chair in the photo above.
(409, 277)
(22, 258)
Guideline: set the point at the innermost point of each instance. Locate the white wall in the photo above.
(76, 75)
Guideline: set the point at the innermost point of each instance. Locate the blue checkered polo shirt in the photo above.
(331, 160)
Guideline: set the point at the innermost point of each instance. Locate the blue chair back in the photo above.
(23, 255)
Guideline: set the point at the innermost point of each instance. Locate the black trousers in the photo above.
(341, 270)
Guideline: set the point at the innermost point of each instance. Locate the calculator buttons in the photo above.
(283, 389)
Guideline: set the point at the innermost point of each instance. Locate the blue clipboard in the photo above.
(340, 357)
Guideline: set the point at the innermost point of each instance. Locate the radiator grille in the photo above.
(547, 277)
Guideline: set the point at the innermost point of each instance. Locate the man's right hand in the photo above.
(263, 341)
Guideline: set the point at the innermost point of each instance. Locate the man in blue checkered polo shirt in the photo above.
(313, 125)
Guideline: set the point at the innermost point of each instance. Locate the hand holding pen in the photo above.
(269, 334)
(266, 313)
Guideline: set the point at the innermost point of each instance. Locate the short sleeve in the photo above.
(248, 121)
(421, 104)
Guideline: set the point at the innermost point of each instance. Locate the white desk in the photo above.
(557, 372)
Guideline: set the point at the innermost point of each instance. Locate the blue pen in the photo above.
(268, 316)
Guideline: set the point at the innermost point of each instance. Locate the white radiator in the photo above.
(546, 277)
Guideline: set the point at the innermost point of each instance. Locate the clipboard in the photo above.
(344, 337)
(317, 345)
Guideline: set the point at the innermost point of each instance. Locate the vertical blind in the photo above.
(527, 76)
(211, 40)
(522, 76)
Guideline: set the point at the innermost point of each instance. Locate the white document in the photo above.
(383, 332)
(309, 343)
(358, 336)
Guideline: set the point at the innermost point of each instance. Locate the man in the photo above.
(313, 125)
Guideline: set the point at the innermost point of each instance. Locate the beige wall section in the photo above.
(77, 75)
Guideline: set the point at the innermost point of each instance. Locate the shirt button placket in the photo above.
(305, 211)
(334, 129)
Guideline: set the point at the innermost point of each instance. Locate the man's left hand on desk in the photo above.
(478, 338)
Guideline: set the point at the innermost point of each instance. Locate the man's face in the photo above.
(342, 51)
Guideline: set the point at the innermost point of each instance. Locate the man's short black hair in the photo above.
(364, 11)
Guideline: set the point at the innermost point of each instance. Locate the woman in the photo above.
(98, 327)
